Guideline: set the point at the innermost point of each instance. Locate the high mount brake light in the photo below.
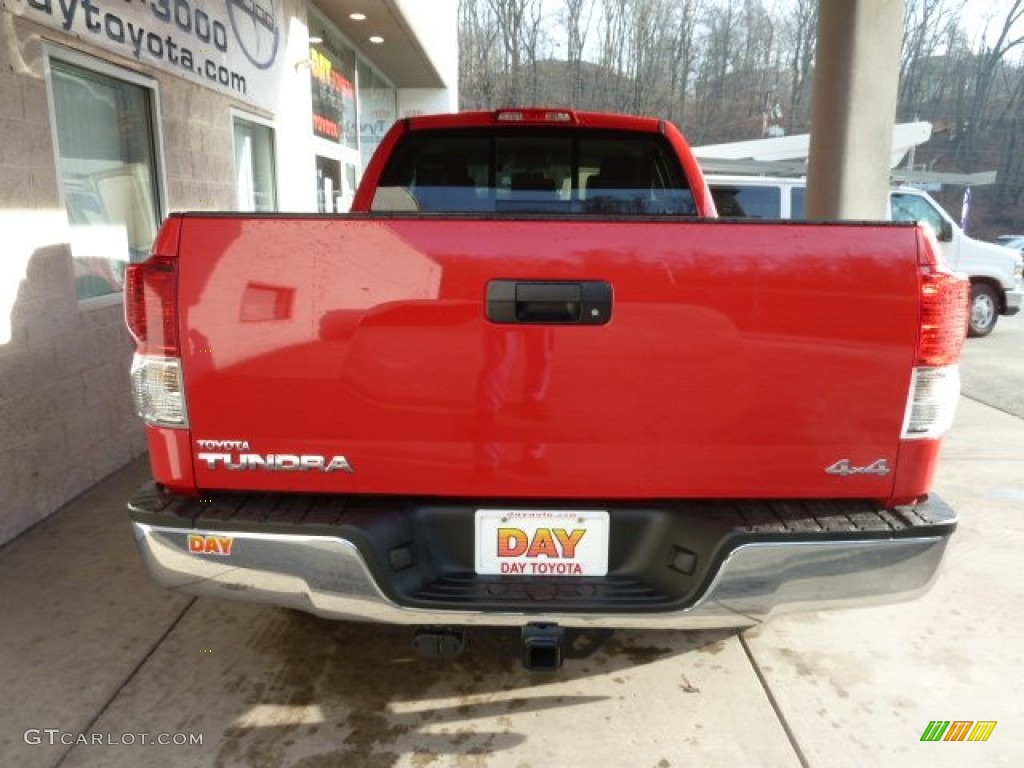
(535, 116)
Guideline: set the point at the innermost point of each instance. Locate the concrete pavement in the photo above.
(89, 646)
(992, 368)
(859, 687)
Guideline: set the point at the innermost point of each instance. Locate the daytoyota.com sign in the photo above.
(235, 46)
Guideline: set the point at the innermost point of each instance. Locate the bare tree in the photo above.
(927, 27)
(478, 34)
(615, 19)
(987, 63)
(531, 40)
(683, 55)
(649, 54)
(510, 16)
(800, 28)
(759, 69)
(710, 82)
(578, 14)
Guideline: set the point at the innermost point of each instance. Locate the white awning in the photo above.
(795, 148)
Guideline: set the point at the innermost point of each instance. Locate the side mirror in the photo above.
(945, 233)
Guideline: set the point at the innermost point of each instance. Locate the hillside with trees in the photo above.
(731, 71)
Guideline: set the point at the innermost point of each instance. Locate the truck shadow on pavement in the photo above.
(370, 699)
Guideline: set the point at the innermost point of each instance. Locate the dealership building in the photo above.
(117, 112)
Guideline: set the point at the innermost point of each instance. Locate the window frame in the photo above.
(761, 193)
(73, 58)
(922, 203)
(249, 117)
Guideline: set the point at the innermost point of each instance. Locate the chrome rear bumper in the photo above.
(328, 576)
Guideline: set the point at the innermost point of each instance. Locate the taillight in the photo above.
(159, 390)
(151, 313)
(935, 383)
(944, 305)
(931, 406)
(151, 305)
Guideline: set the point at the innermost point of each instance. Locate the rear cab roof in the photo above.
(554, 118)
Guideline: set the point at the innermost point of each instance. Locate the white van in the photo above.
(995, 271)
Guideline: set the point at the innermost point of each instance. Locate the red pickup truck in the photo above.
(532, 381)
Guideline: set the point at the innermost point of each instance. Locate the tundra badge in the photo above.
(280, 462)
(239, 456)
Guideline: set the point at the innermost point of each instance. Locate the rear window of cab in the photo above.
(534, 171)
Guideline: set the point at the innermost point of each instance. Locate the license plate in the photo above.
(535, 542)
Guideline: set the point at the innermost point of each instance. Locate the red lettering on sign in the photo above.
(543, 544)
(512, 542)
(569, 540)
(326, 127)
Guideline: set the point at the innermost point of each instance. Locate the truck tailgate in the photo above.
(740, 359)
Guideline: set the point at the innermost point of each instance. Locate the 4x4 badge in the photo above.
(845, 469)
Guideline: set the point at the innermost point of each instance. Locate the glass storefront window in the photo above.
(108, 172)
(255, 179)
(332, 79)
(378, 108)
(353, 107)
(328, 185)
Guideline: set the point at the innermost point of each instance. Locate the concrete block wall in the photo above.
(66, 415)
(198, 149)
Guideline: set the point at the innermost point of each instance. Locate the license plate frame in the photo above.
(541, 542)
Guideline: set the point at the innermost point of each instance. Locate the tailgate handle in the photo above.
(549, 302)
